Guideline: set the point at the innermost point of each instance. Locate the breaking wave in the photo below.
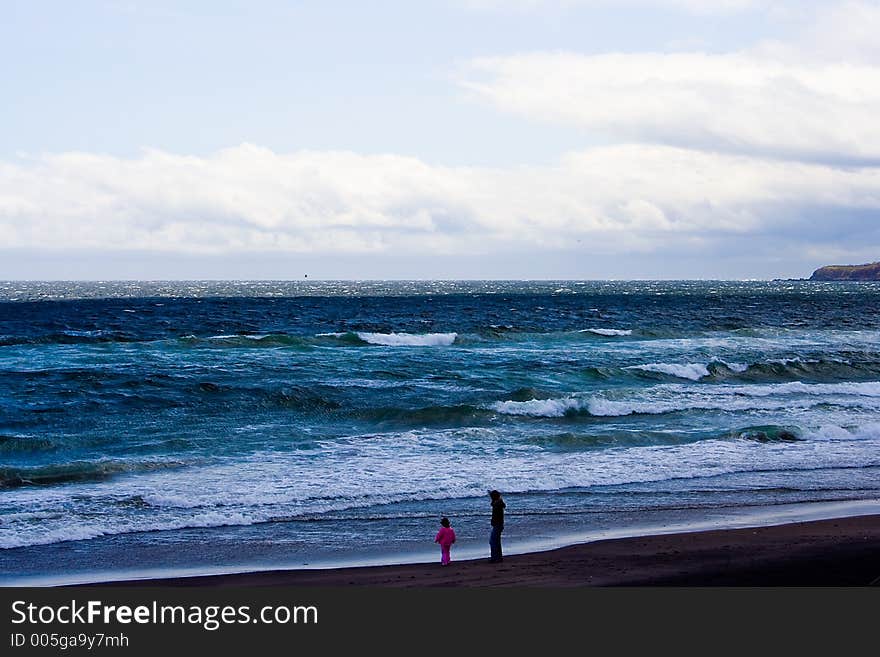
(12, 477)
(409, 339)
(675, 398)
(539, 407)
(692, 371)
(607, 332)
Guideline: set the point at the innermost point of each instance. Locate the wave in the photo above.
(570, 441)
(84, 531)
(858, 389)
(189, 340)
(869, 431)
(245, 340)
(463, 334)
(475, 335)
(772, 370)
(762, 433)
(245, 501)
(456, 416)
(796, 369)
(599, 407)
(24, 443)
(390, 339)
(768, 434)
(201, 516)
(692, 371)
(673, 398)
(539, 407)
(47, 475)
(409, 339)
(69, 337)
(348, 338)
(166, 512)
(607, 332)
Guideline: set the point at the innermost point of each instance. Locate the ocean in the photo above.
(151, 428)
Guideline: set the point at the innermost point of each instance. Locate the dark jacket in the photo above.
(498, 507)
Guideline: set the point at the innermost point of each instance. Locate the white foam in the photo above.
(85, 531)
(671, 398)
(175, 501)
(601, 407)
(797, 359)
(860, 389)
(47, 537)
(607, 332)
(692, 371)
(538, 407)
(833, 432)
(409, 339)
(413, 466)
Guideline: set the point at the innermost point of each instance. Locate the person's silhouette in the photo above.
(498, 507)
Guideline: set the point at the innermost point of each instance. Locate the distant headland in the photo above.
(869, 272)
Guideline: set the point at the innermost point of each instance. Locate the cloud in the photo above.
(845, 31)
(615, 199)
(771, 149)
(741, 102)
(814, 96)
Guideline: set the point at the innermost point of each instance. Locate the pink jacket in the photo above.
(445, 537)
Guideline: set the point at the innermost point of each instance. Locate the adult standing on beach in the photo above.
(498, 507)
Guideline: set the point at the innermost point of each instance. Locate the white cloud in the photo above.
(777, 145)
(616, 199)
(845, 31)
(740, 102)
(815, 96)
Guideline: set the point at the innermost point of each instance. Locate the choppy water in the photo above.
(220, 424)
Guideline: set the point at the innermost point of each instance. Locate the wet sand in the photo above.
(836, 552)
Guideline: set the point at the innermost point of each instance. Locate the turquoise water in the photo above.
(218, 426)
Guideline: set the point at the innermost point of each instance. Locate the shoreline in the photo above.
(835, 552)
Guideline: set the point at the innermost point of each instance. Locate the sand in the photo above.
(841, 552)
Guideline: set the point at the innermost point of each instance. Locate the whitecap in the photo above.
(409, 339)
(858, 389)
(870, 431)
(607, 332)
(601, 407)
(538, 407)
(692, 371)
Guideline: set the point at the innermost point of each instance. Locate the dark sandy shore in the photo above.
(837, 552)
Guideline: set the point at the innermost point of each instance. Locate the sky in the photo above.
(454, 139)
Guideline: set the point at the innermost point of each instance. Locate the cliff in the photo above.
(869, 272)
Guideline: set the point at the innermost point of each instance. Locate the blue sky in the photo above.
(456, 139)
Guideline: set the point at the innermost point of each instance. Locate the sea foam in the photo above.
(538, 407)
(607, 332)
(409, 339)
(692, 371)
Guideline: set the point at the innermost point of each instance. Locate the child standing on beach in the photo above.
(445, 537)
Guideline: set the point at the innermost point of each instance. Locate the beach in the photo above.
(839, 552)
